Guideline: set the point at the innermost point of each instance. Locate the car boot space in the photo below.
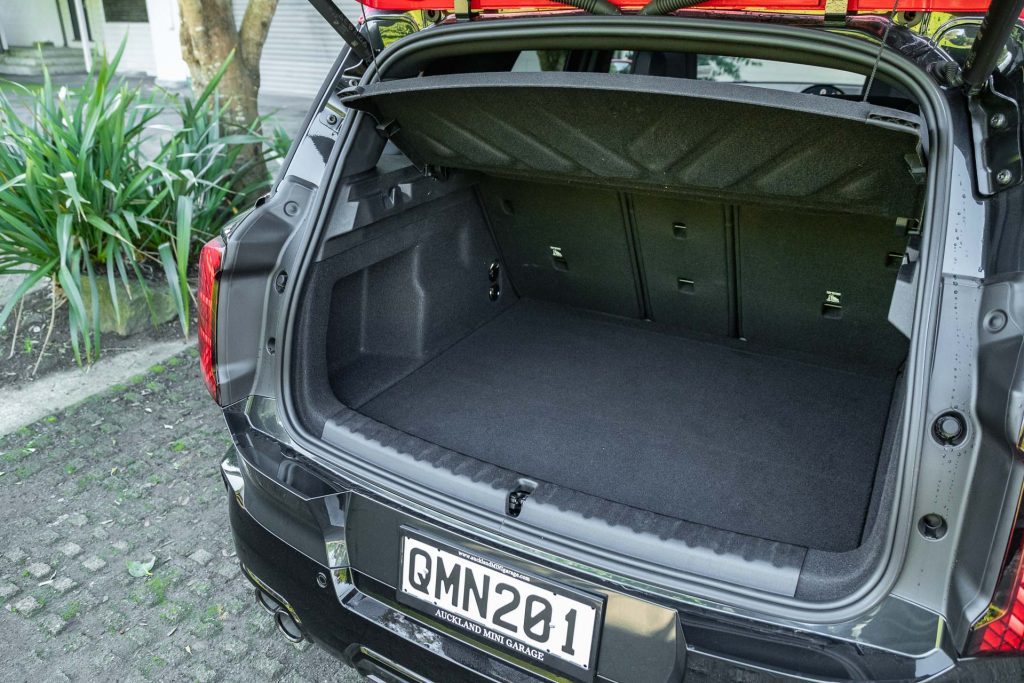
(727, 364)
(545, 273)
(748, 442)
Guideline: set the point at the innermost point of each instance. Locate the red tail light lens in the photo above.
(209, 281)
(1001, 629)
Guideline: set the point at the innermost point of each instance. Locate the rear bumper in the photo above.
(360, 630)
(330, 553)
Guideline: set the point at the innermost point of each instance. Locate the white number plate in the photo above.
(552, 625)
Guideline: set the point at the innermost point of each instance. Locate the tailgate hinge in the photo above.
(995, 129)
(835, 12)
(344, 28)
(462, 10)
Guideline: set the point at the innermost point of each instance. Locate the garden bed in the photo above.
(20, 366)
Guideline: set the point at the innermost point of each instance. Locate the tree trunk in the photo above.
(208, 37)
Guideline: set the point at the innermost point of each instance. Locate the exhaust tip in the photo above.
(288, 627)
(268, 603)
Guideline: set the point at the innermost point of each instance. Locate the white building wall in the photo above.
(28, 21)
(299, 51)
(138, 47)
(300, 47)
(164, 23)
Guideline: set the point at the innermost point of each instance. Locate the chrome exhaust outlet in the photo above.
(287, 625)
(269, 604)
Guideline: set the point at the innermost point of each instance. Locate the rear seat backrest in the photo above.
(814, 283)
(685, 250)
(820, 282)
(564, 244)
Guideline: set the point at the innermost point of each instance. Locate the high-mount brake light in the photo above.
(209, 284)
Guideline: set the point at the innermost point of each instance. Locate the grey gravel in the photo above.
(201, 557)
(38, 570)
(52, 624)
(194, 618)
(15, 556)
(71, 549)
(27, 606)
(64, 584)
(94, 564)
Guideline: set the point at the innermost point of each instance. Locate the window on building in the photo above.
(125, 11)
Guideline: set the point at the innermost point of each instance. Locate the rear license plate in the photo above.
(552, 625)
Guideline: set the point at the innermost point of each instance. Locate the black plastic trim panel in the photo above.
(639, 535)
(354, 613)
(655, 132)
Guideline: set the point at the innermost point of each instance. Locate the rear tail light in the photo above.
(209, 284)
(1001, 629)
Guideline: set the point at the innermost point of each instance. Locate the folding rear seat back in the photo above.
(565, 244)
(816, 283)
(685, 258)
(820, 282)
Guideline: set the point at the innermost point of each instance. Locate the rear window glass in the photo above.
(764, 73)
(541, 60)
(760, 73)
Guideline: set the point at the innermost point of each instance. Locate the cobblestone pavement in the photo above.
(127, 474)
(134, 472)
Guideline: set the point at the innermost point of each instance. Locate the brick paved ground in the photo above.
(134, 472)
(126, 474)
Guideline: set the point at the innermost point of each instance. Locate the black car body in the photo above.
(549, 358)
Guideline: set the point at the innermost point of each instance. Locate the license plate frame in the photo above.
(494, 635)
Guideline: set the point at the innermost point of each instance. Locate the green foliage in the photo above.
(71, 610)
(199, 166)
(141, 568)
(395, 30)
(157, 585)
(82, 205)
(279, 144)
(552, 60)
(722, 67)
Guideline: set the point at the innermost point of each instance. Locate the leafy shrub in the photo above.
(81, 202)
(199, 165)
(279, 144)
